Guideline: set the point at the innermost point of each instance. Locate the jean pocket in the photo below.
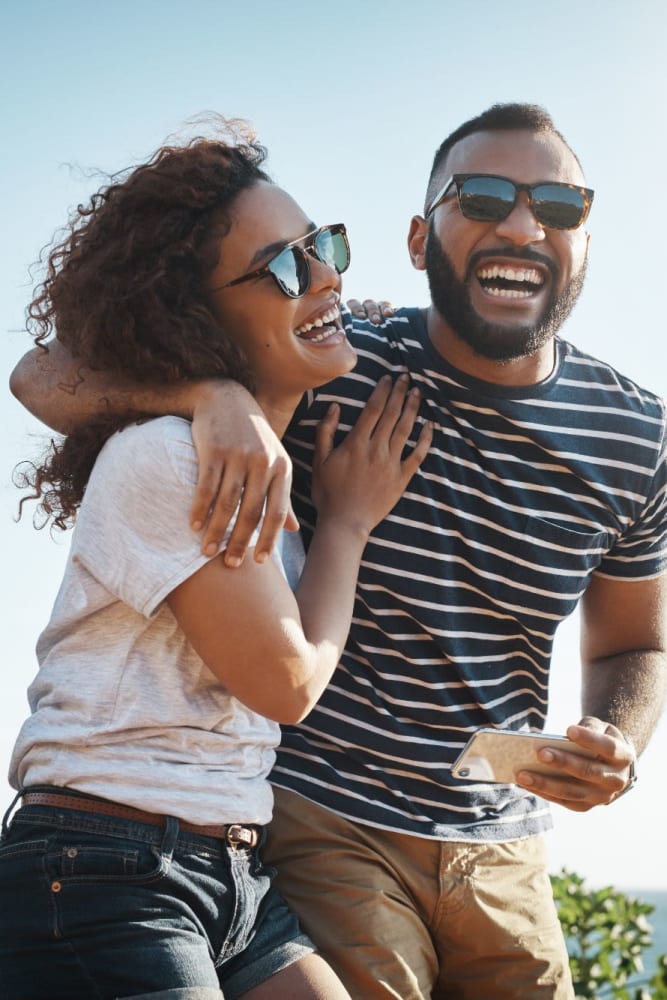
(11, 850)
(81, 859)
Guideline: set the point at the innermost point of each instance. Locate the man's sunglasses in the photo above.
(290, 268)
(487, 198)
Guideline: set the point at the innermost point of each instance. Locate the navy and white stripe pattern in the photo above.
(524, 494)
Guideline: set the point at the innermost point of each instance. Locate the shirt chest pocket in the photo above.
(545, 567)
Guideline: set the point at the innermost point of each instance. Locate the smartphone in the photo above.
(495, 755)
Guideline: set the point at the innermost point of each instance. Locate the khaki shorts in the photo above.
(414, 919)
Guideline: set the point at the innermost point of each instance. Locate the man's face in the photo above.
(505, 287)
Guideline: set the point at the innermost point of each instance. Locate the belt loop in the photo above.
(5, 818)
(168, 843)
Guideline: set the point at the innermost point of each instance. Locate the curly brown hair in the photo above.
(126, 289)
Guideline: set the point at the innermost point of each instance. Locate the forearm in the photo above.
(628, 690)
(65, 395)
(325, 595)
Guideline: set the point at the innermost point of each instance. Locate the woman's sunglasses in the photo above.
(290, 268)
(487, 198)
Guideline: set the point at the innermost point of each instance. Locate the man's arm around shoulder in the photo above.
(242, 464)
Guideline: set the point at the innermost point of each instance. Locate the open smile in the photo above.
(510, 281)
(321, 327)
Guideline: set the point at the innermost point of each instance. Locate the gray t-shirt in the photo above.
(122, 706)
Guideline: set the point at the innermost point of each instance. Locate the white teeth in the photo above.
(328, 317)
(529, 275)
(508, 293)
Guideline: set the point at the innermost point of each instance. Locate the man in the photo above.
(545, 484)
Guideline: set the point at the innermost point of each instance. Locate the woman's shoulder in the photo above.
(150, 452)
(159, 432)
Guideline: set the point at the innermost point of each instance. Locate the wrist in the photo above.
(632, 770)
(346, 525)
(192, 397)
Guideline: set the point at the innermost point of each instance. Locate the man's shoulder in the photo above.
(397, 341)
(595, 375)
(406, 322)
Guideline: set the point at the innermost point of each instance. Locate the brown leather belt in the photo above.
(236, 834)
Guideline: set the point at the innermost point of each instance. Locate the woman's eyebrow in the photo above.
(279, 245)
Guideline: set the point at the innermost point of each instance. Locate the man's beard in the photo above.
(452, 300)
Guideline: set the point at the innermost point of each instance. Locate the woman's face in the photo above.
(285, 348)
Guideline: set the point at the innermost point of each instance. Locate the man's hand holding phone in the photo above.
(579, 783)
(592, 765)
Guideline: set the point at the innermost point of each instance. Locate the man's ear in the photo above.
(417, 242)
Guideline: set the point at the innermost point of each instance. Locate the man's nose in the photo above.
(521, 227)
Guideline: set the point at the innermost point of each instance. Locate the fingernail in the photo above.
(261, 557)
(547, 755)
(232, 561)
(211, 549)
(197, 525)
(524, 778)
(376, 317)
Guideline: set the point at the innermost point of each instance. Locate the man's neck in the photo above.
(523, 371)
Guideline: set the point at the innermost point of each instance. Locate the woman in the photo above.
(131, 868)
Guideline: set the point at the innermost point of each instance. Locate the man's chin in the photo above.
(505, 344)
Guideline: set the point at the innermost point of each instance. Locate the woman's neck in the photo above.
(278, 412)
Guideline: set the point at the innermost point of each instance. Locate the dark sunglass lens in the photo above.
(290, 269)
(487, 199)
(332, 249)
(558, 206)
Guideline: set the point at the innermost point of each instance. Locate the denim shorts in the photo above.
(98, 908)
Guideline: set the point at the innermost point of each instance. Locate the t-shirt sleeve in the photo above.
(641, 552)
(133, 532)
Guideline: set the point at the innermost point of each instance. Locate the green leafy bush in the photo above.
(606, 934)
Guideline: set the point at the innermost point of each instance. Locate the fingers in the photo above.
(398, 418)
(208, 487)
(594, 787)
(406, 420)
(374, 407)
(246, 490)
(324, 435)
(215, 503)
(375, 311)
(602, 739)
(250, 504)
(412, 462)
(580, 783)
(399, 412)
(276, 517)
(389, 418)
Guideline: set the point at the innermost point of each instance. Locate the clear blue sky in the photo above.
(352, 100)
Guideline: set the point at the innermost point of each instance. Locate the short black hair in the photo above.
(499, 117)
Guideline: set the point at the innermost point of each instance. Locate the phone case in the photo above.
(495, 755)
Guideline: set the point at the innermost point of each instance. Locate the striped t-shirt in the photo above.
(524, 494)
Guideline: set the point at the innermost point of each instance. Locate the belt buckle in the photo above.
(240, 836)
